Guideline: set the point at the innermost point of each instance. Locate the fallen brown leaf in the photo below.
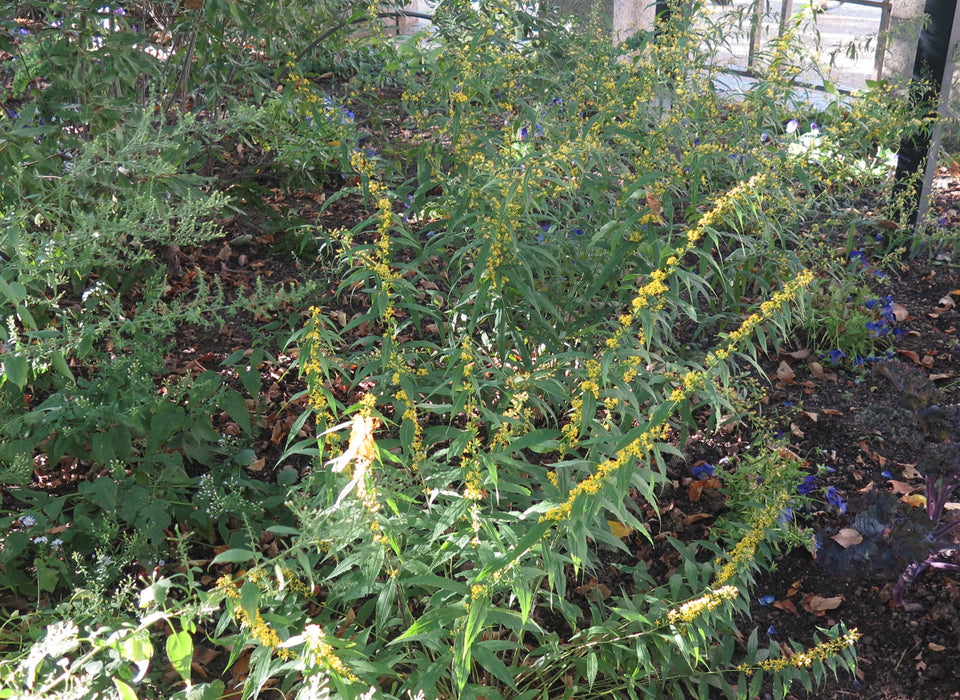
(696, 517)
(901, 487)
(786, 606)
(654, 204)
(847, 537)
(910, 471)
(818, 605)
(785, 373)
(817, 370)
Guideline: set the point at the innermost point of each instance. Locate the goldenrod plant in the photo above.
(565, 269)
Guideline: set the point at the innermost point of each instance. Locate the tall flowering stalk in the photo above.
(647, 298)
(744, 553)
(822, 652)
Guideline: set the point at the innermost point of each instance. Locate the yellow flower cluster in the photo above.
(312, 369)
(517, 414)
(647, 296)
(318, 652)
(789, 292)
(228, 586)
(416, 450)
(745, 550)
(501, 251)
(291, 581)
(361, 164)
(262, 632)
(693, 609)
(473, 486)
(638, 449)
(694, 380)
(804, 659)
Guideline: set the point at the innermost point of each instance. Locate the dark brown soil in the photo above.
(854, 421)
(909, 651)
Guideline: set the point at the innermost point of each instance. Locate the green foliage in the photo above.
(559, 277)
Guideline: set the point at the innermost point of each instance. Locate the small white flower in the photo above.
(28, 521)
(41, 539)
(56, 544)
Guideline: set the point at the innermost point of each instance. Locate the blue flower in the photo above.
(808, 485)
(786, 516)
(537, 131)
(767, 600)
(764, 137)
(771, 630)
(858, 255)
(836, 356)
(877, 329)
(702, 471)
(28, 520)
(523, 133)
(835, 500)
(886, 475)
(578, 231)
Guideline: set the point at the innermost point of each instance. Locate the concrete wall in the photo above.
(625, 16)
(409, 25)
(902, 40)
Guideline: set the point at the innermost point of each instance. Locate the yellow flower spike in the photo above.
(318, 652)
(745, 550)
(690, 611)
